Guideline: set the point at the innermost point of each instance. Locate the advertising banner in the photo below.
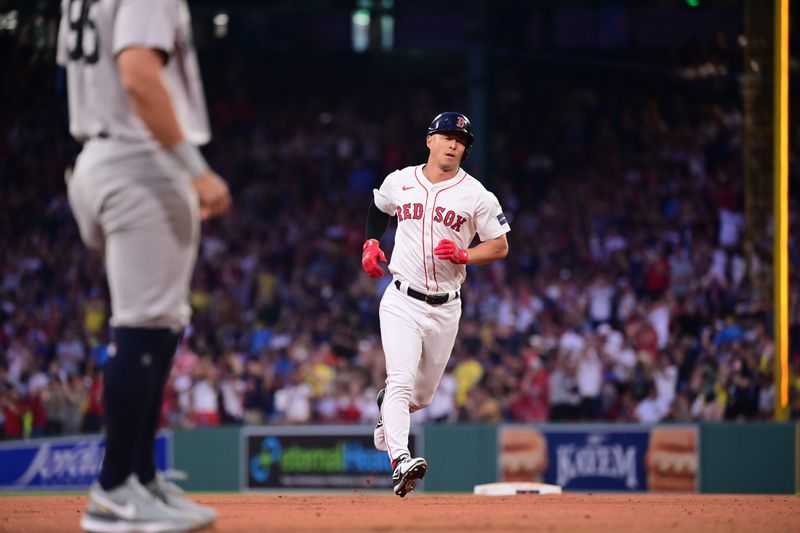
(603, 458)
(65, 463)
(597, 460)
(335, 457)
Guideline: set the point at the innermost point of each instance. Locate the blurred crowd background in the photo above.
(626, 295)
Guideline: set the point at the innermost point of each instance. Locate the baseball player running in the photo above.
(138, 191)
(439, 209)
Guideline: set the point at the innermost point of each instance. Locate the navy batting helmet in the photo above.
(453, 122)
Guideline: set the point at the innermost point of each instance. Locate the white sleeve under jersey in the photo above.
(92, 33)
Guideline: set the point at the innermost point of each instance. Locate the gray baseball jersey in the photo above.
(130, 198)
(93, 32)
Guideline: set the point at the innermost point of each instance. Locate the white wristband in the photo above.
(189, 157)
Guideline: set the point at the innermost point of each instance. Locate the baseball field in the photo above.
(240, 513)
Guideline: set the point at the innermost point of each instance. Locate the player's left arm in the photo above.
(492, 227)
(488, 251)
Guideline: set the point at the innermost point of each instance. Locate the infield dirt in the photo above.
(448, 512)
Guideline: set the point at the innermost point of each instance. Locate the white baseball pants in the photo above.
(417, 340)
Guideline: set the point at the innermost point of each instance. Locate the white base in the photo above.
(512, 489)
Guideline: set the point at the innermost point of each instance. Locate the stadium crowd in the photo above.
(626, 295)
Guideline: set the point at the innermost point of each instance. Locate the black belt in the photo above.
(431, 299)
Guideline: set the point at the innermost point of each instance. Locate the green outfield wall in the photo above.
(797, 459)
(757, 458)
(731, 457)
(460, 456)
(210, 456)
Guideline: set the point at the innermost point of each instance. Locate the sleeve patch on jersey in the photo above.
(501, 218)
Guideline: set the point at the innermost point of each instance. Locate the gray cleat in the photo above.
(174, 496)
(131, 508)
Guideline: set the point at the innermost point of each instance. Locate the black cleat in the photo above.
(379, 435)
(406, 473)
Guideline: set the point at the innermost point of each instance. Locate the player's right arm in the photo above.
(371, 253)
(144, 37)
(378, 218)
(140, 73)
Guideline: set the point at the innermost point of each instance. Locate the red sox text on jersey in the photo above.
(441, 214)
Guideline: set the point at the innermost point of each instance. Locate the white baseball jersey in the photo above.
(93, 32)
(454, 209)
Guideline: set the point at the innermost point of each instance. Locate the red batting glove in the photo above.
(370, 257)
(448, 251)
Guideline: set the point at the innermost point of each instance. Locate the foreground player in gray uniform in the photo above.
(439, 209)
(138, 192)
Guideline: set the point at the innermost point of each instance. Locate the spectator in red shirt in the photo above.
(532, 401)
(13, 410)
(93, 418)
